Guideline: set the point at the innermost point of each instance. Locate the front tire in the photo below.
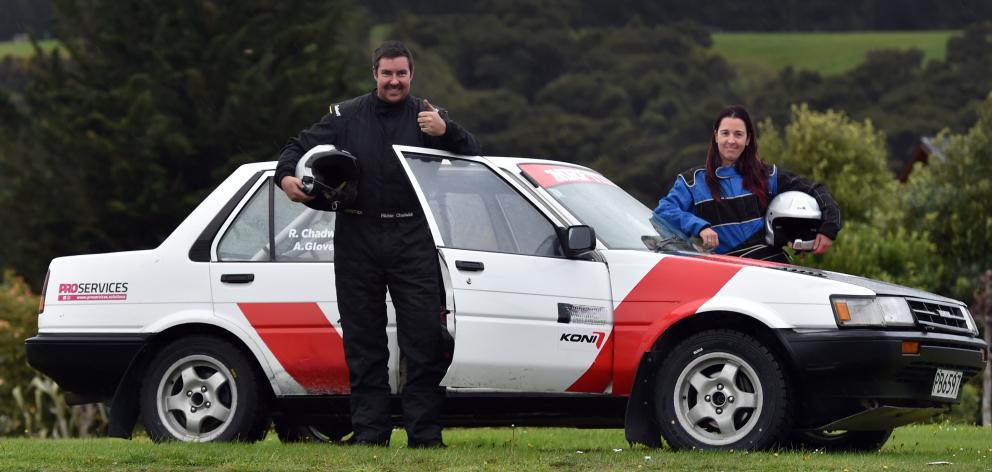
(203, 389)
(721, 389)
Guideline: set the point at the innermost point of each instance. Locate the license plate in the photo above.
(946, 384)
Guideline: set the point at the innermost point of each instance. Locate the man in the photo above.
(383, 241)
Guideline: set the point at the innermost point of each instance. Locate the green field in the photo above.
(826, 53)
(911, 448)
(24, 49)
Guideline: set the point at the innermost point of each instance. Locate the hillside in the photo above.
(826, 53)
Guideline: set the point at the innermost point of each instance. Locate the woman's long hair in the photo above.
(748, 165)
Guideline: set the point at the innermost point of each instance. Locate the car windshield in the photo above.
(620, 221)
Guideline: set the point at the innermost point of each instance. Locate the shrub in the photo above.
(849, 158)
(31, 404)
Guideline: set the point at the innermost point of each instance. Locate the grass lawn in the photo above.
(24, 49)
(911, 448)
(826, 53)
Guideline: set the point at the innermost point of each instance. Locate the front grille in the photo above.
(939, 316)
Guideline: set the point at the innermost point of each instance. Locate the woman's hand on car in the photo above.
(709, 237)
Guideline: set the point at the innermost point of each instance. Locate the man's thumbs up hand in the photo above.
(430, 120)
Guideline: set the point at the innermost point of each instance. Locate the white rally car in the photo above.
(565, 304)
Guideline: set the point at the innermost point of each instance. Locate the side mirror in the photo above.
(577, 240)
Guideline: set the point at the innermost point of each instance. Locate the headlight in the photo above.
(871, 311)
(970, 320)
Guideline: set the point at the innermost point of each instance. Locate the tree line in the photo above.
(155, 105)
(727, 15)
(36, 16)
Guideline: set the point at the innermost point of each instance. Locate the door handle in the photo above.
(470, 266)
(237, 278)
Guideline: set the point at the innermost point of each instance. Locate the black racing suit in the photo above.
(383, 241)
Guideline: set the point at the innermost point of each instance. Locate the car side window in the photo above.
(298, 233)
(302, 234)
(475, 209)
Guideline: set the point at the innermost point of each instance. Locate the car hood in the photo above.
(877, 286)
(886, 288)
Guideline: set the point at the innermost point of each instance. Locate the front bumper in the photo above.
(84, 364)
(870, 364)
(856, 379)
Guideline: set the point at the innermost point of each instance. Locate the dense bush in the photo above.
(18, 321)
(951, 199)
(31, 404)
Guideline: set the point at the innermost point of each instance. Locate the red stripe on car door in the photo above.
(674, 288)
(599, 374)
(304, 342)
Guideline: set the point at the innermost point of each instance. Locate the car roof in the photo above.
(513, 163)
(505, 162)
(257, 166)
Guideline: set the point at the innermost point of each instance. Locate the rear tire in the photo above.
(291, 430)
(203, 389)
(721, 389)
(840, 441)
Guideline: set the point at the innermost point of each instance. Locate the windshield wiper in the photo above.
(658, 244)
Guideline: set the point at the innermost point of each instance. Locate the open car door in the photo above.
(526, 318)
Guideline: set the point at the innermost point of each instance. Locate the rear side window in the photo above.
(270, 219)
(248, 236)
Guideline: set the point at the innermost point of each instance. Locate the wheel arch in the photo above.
(737, 321)
(640, 425)
(125, 403)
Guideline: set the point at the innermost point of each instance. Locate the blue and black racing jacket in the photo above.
(738, 217)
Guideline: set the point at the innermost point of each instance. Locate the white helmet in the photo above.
(331, 175)
(792, 217)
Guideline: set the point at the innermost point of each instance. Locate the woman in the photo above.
(724, 202)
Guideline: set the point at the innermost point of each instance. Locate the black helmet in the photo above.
(792, 217)
(331, 175)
